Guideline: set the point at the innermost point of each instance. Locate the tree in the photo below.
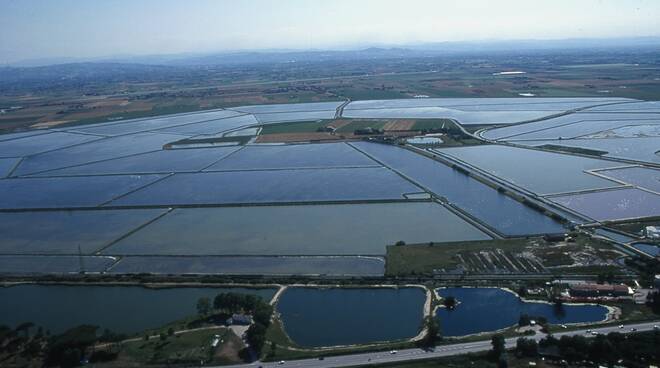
(502, 361)
(432, 331)
(262, 312)
(170, 331)
(25, 327)
(256, 337)
(548, 341)
(574, 348)
(499, 346)
(524, 320)
(66, 349)
(602, 350)
(400, 243)
(653, 301)
(273, 349)
(32, 348)
(527, 347)
(203, 306)
(70, 358)
(449, 302)
(236, 302)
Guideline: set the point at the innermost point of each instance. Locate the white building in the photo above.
(652, 232)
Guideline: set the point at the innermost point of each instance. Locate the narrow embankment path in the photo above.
(277, 295)
(340, 108)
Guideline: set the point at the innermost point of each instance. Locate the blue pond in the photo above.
(329, 317)
(491, 309)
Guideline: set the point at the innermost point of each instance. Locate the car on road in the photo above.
(656, 327)
(393, 352)
(621, 327)
(281, 362)
(633, 329)
(564, 326)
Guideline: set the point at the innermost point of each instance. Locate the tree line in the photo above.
(630, 350)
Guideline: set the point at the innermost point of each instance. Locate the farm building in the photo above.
(598, 290)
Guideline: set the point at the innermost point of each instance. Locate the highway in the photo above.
(350, 360)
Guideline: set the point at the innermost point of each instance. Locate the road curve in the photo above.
(440, 351)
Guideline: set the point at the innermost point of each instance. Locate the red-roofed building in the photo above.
(597, 290)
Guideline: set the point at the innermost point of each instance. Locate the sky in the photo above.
(41, 29)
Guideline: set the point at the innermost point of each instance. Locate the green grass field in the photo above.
(424, 258)
(293, 127)
(430, 124)
(361, 124)
(186, 347)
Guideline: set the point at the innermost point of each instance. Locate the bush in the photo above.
(527, 347)
(449, 302)
(102, 356)
(256, 337)
(66, 349)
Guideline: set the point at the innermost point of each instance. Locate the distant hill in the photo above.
(366, 53)
(79, 74)
(88, 76)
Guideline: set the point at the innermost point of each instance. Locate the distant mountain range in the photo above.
(382, 51)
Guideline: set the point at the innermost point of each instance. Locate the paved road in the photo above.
(440, 351)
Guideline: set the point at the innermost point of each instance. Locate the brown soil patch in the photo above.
(399, 125)
(49, 124)
(108, 103)
(337, 124)
(297, 137)
(228, 351)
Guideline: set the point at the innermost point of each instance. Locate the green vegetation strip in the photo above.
(424, 258)
(293, 127)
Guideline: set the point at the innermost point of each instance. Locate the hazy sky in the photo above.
(90, 28)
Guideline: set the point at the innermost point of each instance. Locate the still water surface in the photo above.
(329, 317)
(491, 309)
(122, 309)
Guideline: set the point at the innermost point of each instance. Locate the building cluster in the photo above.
(592, 290)
(652, 232)
(239, 319)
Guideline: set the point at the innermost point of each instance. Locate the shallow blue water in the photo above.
(273, 186)
(497, 210)
(648, 248)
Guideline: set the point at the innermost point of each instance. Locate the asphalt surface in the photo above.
(440, 351)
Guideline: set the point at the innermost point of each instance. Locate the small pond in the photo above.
(329, 317)
(491, 309)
